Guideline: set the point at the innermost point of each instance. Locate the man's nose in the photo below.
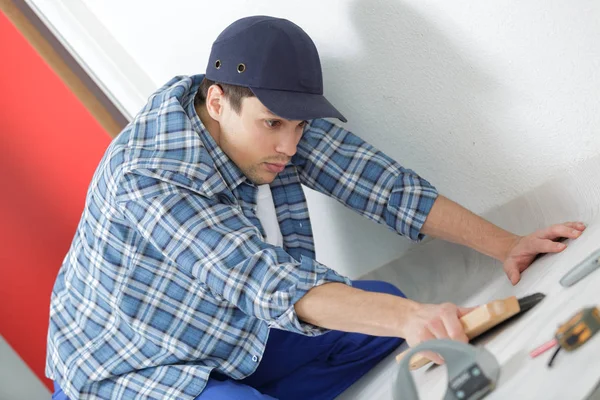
(287, 144)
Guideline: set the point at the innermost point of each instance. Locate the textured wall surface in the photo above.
(484, 99)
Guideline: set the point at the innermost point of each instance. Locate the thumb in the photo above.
(512, 271)
(514, 276)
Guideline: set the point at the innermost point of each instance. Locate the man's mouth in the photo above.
(275, 167)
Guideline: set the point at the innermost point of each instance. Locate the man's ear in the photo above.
(215, 102)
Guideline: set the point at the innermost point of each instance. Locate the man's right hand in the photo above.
(341, 307)
(434, 321)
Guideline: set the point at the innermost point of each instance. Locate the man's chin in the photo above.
(262, 180)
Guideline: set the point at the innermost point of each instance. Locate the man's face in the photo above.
(257, 141)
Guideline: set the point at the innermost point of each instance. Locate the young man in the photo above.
(192, 273)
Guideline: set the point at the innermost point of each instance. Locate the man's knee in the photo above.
(379, 287)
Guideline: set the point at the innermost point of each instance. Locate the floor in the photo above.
(17, 381)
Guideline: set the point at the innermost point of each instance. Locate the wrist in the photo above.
(405, 310)
(509, 244)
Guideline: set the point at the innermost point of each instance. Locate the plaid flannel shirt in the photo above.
(169, 276)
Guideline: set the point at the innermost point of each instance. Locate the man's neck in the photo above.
(209, 123)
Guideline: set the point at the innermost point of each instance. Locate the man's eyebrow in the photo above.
(270, 114)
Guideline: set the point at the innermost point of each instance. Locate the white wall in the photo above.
(486, 99)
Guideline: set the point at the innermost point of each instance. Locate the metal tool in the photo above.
(472, 371)
(581, 270)
(484, 318)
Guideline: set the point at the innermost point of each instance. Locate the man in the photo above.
(192, 273)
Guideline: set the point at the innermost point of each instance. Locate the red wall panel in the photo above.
(49, 148)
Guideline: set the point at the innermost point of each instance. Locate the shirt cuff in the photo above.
(288, 320)
(410, 202)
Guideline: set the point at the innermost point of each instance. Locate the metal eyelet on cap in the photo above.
(241, 68)
(218, 64)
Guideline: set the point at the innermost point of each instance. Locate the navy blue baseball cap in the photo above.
(278, 61)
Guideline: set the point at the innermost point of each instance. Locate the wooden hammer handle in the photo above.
(475, 323)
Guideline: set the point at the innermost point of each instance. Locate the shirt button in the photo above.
(300, 224)
(255, 358)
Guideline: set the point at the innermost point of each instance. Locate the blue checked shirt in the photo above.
(169, 275)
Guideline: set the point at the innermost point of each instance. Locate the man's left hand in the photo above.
(524, 250)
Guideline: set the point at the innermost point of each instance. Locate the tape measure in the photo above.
(579, 329)
(572, 334)
(472, 371)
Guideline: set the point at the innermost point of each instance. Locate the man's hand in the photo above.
(348, 309)
(525, 248)
(435, 321)
(450, 221)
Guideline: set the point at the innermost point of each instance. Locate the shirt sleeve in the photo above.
(339, 164)
(217, 244)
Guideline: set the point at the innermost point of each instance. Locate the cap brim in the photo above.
(297, 105)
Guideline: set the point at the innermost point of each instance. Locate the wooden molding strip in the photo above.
(64, 65)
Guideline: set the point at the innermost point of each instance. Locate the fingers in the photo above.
(571, 230)
(436, 358)
(437, 329)
(548, 246)
(438, 321)
(514, 276)
(575, 225)
(446, 324)
(452, 324)
(540, 242)
(512, 272)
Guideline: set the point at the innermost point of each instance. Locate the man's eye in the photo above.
(272, 123)
(302, 124)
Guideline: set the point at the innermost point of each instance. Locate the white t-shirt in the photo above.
(265, 211)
